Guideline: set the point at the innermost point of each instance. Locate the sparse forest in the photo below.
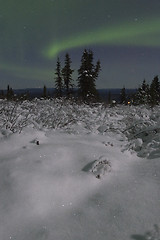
(84, 88)
(146, 94)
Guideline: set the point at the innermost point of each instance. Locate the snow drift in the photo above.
(95, 173)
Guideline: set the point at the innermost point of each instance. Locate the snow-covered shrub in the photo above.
(98, 167)
(143, 130)
(14, 116)
(154, 234)
(139, 124)
(49, 114)
(135, 144)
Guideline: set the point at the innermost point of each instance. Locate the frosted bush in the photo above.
(100, 167)
(139, 124)
(14, 116)
(50, 114)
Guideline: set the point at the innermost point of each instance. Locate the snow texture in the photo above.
(81, 172)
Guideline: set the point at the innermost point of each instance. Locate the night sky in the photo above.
(123, 34)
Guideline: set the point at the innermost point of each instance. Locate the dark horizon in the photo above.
(32, 93)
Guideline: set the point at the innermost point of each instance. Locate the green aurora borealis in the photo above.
(125, 36)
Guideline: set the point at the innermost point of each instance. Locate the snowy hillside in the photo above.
(79, 172)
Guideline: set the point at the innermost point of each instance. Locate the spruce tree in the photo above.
(58, 79)
(87, 75)
(123, 96)
(44, 91)
(143, 94)
(2, 94)
(155, 91)
(67, 75)
(10, 93)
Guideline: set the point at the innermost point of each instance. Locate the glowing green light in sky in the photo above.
(26, 72)
(135, 34)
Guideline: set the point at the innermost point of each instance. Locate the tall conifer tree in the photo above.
(123, 96)
(87, 75)
(67, 75)
(143, 95)
(155, 91)
(44, 91)
(58, 79)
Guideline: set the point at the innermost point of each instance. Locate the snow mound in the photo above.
(134, 145)
(44, 192)
(98, 167)
(150, 235)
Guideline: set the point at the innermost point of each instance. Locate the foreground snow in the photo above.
(50, 191)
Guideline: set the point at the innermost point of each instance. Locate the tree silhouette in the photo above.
(44, 91)
(123, 96)
(155, 91)
(143, 94)
(58, 79)
(67, 75)
(87, 76)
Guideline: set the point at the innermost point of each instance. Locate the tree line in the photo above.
(145, 94)
(85, 87)
(87, 76)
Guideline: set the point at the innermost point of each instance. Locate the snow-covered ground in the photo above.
(78, 172)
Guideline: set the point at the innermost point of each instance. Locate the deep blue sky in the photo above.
(123, 34)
